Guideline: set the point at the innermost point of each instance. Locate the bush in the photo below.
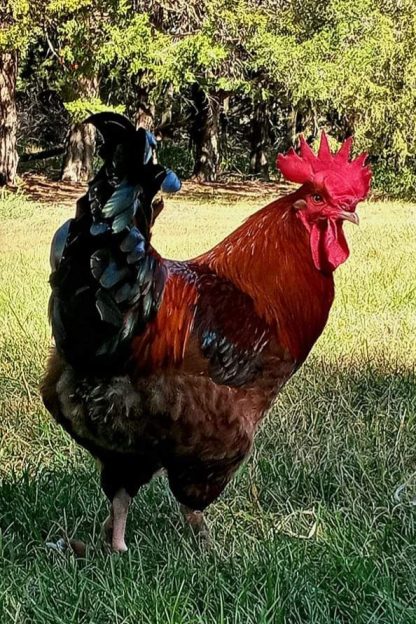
(395, 183)
(176, 156)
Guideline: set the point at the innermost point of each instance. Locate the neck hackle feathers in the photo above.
(352, 177)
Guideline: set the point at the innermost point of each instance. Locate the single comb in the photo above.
(352, 175)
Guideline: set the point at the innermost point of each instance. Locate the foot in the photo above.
(197, 523)
(76, 546)
(119, 546)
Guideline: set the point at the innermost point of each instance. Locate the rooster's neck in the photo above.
(269, 258)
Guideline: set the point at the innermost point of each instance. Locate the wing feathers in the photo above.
(223, 321)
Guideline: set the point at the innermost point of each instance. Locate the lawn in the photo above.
(309, 531)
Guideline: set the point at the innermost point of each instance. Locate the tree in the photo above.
(205, 134)
(176, 54)
(8, 117)
(77, 164)
(90, 41)
(19, 23)
(349, 67)
(73, 31)
(234, 79)
(259, 139)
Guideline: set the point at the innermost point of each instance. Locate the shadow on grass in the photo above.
(50, 503)
(340, 435)
(337, 445)
(337, 437)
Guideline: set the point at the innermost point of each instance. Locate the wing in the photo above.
(231, 335)
(205, 326)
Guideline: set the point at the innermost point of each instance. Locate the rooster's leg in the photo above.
(115, 525)
(121, 477)
(196, 521)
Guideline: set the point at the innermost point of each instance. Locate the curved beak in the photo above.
(349, 216)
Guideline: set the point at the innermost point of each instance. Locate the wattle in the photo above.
(328, 244)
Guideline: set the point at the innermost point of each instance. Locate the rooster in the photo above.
(161, 364)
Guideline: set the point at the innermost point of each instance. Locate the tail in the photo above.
(107, 281)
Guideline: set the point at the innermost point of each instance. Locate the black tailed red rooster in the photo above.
(165, 364)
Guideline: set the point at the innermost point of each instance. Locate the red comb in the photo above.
(305, 167)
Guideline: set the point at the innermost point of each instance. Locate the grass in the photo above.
(309, 531)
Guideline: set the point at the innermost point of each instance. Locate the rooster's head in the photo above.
(332, 186)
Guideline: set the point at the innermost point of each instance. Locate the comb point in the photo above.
(305, 150)
(324, 152)
(344, 151)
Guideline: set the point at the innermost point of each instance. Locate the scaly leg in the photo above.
(115, 525)
(121, 477)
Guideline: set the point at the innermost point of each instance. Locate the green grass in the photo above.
(309, 531)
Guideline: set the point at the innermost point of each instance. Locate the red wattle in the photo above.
(328, 245)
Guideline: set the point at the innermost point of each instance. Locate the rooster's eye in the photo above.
(317, 198)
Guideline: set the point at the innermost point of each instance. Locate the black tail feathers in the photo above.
(107, 281)
(113, 127)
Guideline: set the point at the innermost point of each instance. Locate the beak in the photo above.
(350, 216)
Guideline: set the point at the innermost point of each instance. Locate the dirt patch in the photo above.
(41, 189)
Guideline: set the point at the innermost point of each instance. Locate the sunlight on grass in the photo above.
(309, 530)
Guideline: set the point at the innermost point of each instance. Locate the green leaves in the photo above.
(81, 108)
(358, 59)
(347, 66)
(16, 28)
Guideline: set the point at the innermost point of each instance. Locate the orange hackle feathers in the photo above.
(259, 258)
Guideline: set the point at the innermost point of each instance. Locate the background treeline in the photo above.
(224, 83)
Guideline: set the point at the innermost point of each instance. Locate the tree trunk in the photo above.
(205, 135)
(80, 143)
(8, 118)
(224, 121)
(292, 129)
(78, 160)
(43, 155)
(259, 140)
(301, 120)
(145, 113)
(165, 127)
(167, 106)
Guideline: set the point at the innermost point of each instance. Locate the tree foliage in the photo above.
(304, 64)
